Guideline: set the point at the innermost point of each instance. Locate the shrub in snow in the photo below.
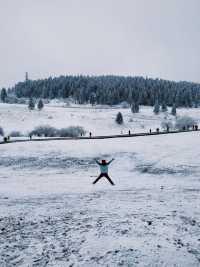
(173, 111)
(164, 107)
(167, 125)
(46, 101)
(11, 100)
(1, 131)
(40, 104)
(119, 118)
(124, 104)
(156, 109)
(44, 130)
(184, 121)
(135, 107)
(21, 100)
(15, 134)
(142, 126)
(48, 131)
(72, 131)
(31, 104)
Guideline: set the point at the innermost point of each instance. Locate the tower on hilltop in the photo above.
(26, 76)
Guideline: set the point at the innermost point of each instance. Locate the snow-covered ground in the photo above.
(52, 215)
(99, 121)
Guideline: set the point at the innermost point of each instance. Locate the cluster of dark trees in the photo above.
(111, 90)
(164, 108)
(31, 104)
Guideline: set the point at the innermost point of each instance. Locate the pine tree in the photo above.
(92, 98)
(3, 95)
(173, 111)
(196, 101)
(119, 118)
(156, 109)
(135, 107)
(164, 107)
(40, 104)
(1, 131)
(189, 99)
(31, 104)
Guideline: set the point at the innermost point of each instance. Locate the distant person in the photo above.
(104, 171)
(150, 131)
(129, 132)
(196, 127)
(90, 134)
(157, 130)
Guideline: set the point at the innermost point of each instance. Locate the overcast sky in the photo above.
(155, 38)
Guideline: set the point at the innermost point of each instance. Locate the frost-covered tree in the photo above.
(173, 111)
(125, 104)
(167, 124)
(40, 104)
(44, 130)
(3, 95)
(164, 107)
(156, 109)
(135, 107)
(185, 121)
(15, 134)
(119, 118)
(31, 104)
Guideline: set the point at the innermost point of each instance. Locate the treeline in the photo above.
(111, 90)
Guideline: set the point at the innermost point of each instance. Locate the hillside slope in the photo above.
(50, 213)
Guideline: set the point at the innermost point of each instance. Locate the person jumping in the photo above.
(104, 171)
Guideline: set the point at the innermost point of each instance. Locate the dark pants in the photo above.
(103, 175)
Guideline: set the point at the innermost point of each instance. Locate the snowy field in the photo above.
(96, 120)
(52, 215)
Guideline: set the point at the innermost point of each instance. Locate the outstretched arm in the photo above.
(110, 161)
(97, 162)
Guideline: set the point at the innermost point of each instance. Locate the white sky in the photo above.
(155, 38)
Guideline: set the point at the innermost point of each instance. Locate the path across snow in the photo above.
(42, 139)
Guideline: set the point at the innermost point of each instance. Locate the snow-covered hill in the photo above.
(52, 215)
